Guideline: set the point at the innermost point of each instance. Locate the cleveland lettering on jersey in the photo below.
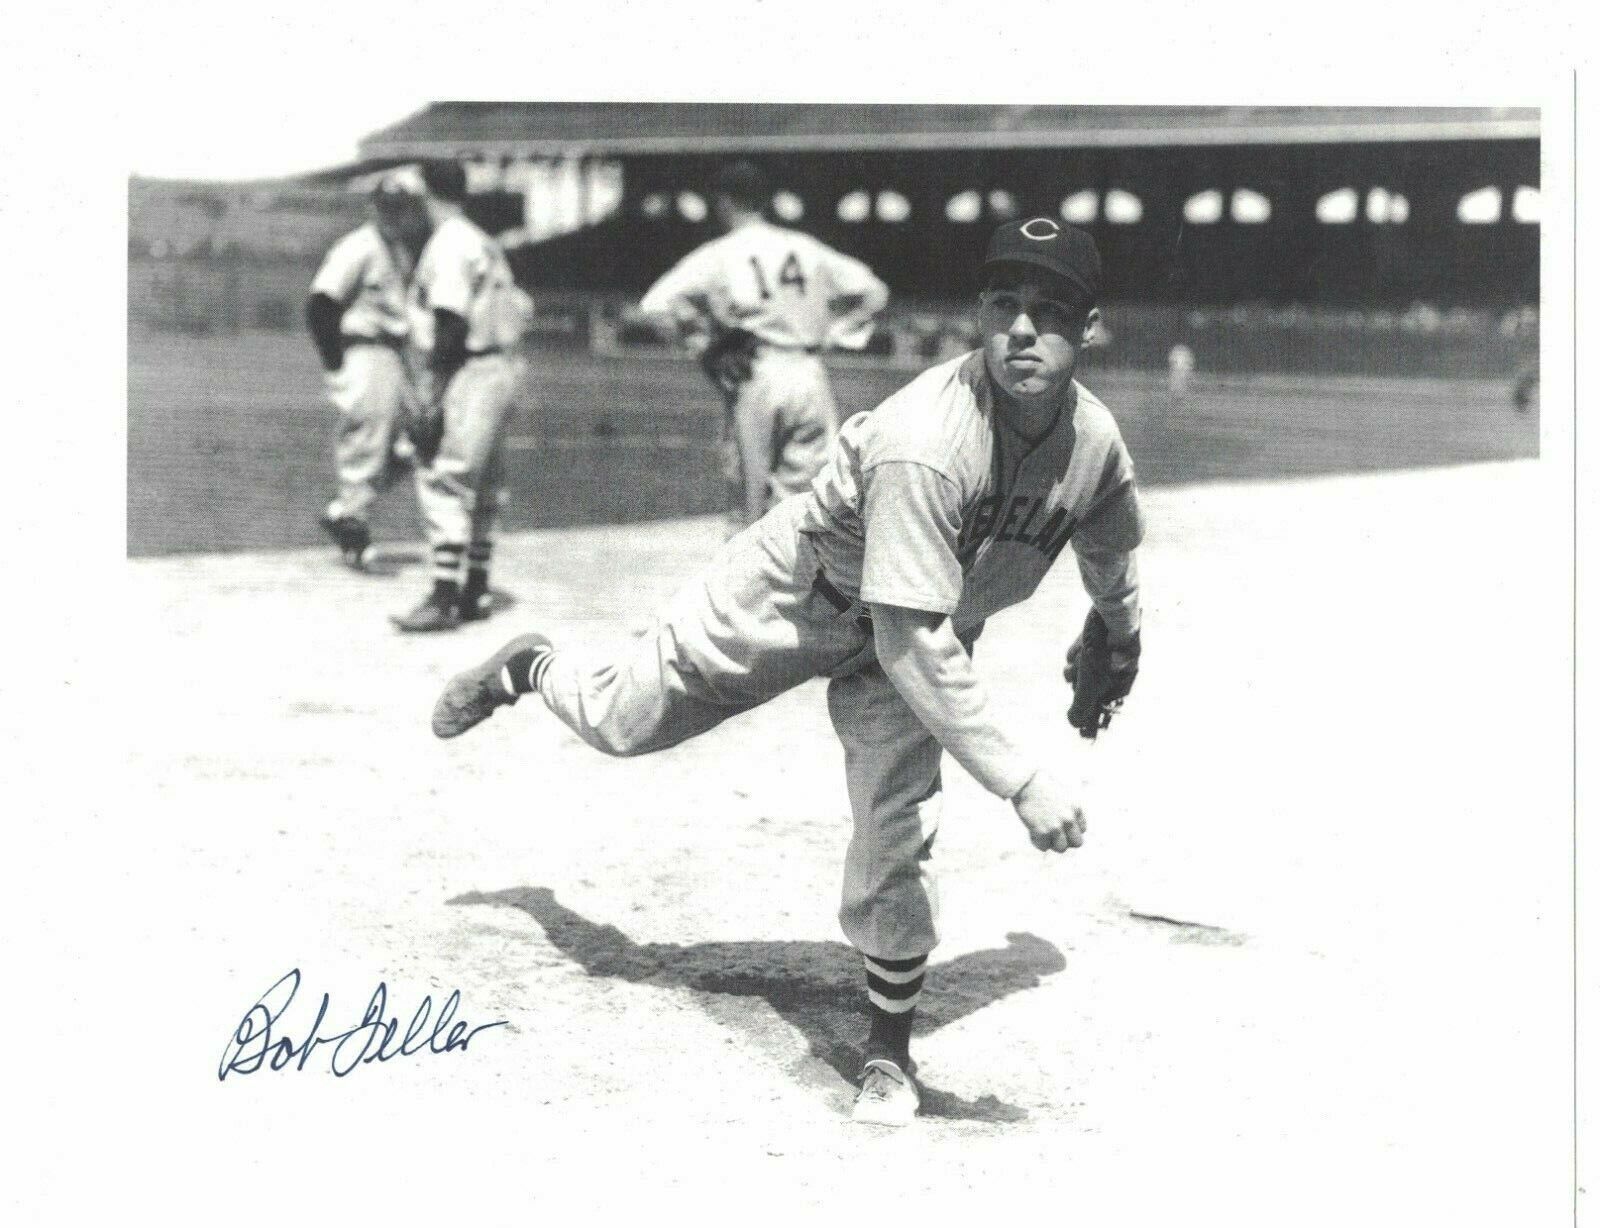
(995, 529)
(1014, 524)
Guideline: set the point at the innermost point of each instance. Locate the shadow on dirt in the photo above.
(815, 987)
(392, 560)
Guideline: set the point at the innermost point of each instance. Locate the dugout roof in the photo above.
(620, 129)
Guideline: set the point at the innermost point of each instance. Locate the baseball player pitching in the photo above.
(357, 317)
(945, 505)
(758, 305)
(467, 318)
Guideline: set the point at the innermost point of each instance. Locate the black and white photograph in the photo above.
(815, 651)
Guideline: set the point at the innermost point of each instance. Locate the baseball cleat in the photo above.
(432, 613)
(475, 606)
(888, 1095)
(472, 696)
(351, 536)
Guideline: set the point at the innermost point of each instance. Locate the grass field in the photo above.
(230, 443)
(1312, 966)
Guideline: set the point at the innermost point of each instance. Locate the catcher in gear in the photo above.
(1100, 676)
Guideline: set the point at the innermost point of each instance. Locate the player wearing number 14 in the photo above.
(758, 305)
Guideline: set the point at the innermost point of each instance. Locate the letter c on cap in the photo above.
(1051, 230)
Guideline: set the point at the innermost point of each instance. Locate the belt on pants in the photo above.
(494, 349)
(840, 602)
(387, 343)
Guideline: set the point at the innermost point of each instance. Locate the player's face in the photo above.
(1032, 334)
(404, 221)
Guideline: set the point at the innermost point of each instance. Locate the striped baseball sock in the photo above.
(447, 562)
(478, 555)
(524, 671)
(893, 988)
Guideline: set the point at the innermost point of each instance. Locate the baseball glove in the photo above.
(1100, 676)
(728, 360)
(424, 426)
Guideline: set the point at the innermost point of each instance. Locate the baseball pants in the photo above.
(788, 404)
(749, 629)
(370, 390)
(459, 494)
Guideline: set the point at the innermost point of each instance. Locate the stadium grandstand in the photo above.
(1189, 204)
(1405, 237)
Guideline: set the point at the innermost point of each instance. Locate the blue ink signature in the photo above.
(253, 1047)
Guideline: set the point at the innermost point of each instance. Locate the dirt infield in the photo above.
(230, 445)
(1311, 966)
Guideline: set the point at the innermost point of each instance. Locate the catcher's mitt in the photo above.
(728, 360)
(1100, 676)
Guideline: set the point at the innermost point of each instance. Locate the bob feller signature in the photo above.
(377, 1038)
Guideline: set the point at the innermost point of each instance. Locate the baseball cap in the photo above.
(1045, 243)
(397, 186)
(445, 178)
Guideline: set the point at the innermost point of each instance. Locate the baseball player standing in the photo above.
(467, 318)
(357, 317)
(945, 505)
(758, 305)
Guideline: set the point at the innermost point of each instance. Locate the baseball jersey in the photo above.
(933, 502)
(779, 284)
(461, 269)
(366, 274)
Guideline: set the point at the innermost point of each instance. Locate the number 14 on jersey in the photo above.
(789, 274)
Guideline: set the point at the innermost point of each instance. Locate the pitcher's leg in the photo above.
(727, 641)
(639, 698)
(748, 629)
(643, 698)
(890, 902)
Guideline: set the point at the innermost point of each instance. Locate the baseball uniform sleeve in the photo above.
(458, 266)
(911, 518)
(856, 295)
(1114, 521)
(322, 320)
(1112, 582)
(1104, 544)
(847, 275)
(339, 275)
(681, 290)
(935, 676)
